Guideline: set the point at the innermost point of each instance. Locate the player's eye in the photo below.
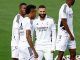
(24, 8)
(43, 11)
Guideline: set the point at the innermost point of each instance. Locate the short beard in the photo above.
(42, 16)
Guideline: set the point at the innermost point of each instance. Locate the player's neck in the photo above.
(22, 14)
(42, 18)
(30, 17)
(68, 4)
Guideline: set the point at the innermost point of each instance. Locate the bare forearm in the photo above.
(29, 39)
(66, 27)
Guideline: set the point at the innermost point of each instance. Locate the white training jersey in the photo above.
(45, 31)
(65, 12)
(15, 30)
(24, 25)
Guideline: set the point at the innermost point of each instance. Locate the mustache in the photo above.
(42, 15)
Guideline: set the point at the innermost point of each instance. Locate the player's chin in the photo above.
(42, 15)
(24, 13)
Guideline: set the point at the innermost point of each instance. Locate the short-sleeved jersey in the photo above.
(23, 26)
(15, 30)
(44, 29)
(67, 13)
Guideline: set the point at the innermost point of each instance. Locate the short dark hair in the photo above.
(41, 6)
(73, 2)
(29, 8)
(22, 4)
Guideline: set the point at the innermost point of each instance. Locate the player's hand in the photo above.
(35, 54)
(52, 51)
(71, 37)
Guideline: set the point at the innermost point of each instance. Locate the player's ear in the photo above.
(39, 9)
(45, 10)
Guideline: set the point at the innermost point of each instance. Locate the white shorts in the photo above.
(63, 41)
(14, 52)
(44, 50)
(25, 53)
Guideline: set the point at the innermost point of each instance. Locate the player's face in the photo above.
(42, 12)
(23, 9)
(33, 13)
(71, 2)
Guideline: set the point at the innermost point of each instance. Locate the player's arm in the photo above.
(53, 30)
(29, 39)
(64, 22)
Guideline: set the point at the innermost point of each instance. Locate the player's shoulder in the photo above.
(36, 19)
(16, 18)
(26, 19)
(17, 15)
(64, 6)
(49, 18)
